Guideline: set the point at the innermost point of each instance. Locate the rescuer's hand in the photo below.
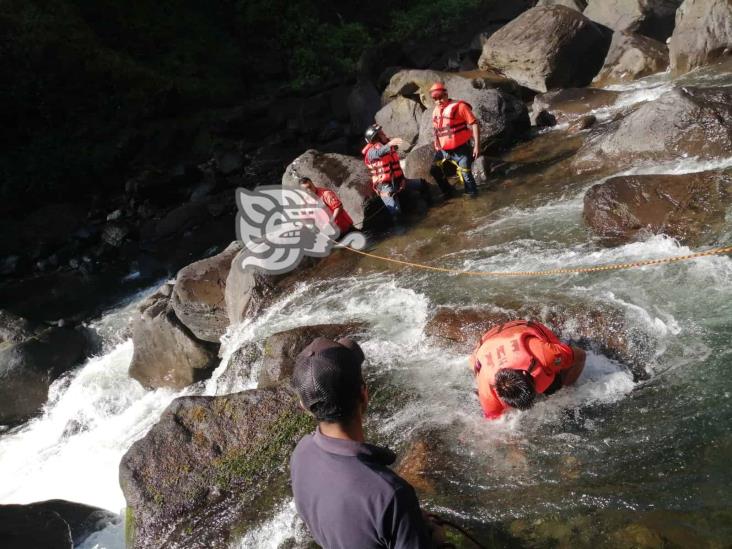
(397, 142)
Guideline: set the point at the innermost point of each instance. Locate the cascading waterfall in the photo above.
(616, 427)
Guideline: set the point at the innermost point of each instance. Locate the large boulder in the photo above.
(23, 526)
(198, 295)
(208, 466)
(246, 292)
(363, 103)
(79, 521)
(547, 48)
(602, 329)
(400, 118)
(166, 353)
(578, 5)
(415, 84)
(346, 175)
(281, 349)
(571, 104)
(682, 122)
(631, 56)
(29, 366)
(703, 33)
(654, 18)
(689, 207)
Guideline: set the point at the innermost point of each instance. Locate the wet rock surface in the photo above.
(166, 353)
(198, 295)
(631, 56)
(689, 207)
(539, 49)
(246, 292)
(30, 365)
(703, 34)
(80, 521)
(571, 104)
(190, 481)
(701, 126)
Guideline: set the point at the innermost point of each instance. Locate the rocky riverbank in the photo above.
(213, 466)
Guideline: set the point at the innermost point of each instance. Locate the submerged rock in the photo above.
(703, 34)
(208, 465)
(602, 329)
(166, 353)
(684, 122)
(347, 176)
(689, 207)
(654, 18)
(570, 104)
(29, 366)
(547, 48)
(631, 56)
(198, 295)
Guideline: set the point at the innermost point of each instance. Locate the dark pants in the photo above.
(462, 157)
(389, 191)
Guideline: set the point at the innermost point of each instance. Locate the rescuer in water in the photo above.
(516, 361)
(454, 125)
(387, 178)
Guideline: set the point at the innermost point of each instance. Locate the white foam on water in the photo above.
(72, 451)
(284, 525)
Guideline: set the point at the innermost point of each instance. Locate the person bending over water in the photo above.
(516, 361)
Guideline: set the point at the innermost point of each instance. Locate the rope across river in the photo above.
(549, 272)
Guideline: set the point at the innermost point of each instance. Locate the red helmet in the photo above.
(438, 88)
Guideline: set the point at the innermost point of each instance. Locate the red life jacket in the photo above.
(385, 169)
(451, 129)
(505, 346)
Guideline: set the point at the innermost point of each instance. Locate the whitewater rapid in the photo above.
(73, 449)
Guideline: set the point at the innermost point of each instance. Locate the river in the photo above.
(603, 463)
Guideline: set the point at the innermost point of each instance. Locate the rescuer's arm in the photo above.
(570, 375)
(476, 139)
(397, 142)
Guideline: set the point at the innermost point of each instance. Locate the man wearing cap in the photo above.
(343, 487)
(454, 124)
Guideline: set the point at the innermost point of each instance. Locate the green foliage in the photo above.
(422, 18)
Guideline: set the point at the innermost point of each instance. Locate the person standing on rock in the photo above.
(387, 178)
(454, 125)
(516, 361)
(342, 486)
(340, 216)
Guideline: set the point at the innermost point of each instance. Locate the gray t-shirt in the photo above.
(349, 498)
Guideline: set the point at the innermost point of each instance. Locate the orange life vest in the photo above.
(385, 169)
(451, 129)
(505, 346)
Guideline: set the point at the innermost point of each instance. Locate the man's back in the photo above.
(349, 498)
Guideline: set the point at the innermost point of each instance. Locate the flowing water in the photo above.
(617, 460)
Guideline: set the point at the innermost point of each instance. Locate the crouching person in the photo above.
(343, 487)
